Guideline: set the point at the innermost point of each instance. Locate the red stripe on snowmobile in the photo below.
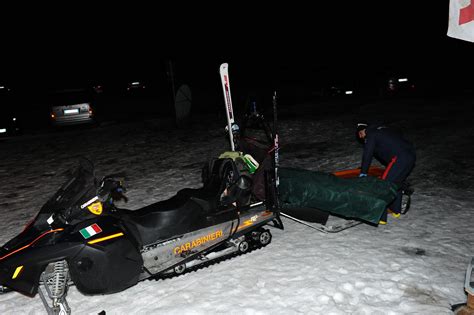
(34, 241)
(394, 159)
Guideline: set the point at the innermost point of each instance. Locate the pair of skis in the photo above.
(224, 73)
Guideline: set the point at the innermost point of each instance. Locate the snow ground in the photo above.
(414, 265)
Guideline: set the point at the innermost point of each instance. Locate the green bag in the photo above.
(363, 198)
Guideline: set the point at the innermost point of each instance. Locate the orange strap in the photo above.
(389, 166)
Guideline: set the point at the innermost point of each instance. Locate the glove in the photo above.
(362, 175)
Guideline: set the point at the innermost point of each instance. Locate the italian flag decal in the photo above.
(90, 231)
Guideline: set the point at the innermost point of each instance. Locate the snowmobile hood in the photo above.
(54, 233)
(20, 268)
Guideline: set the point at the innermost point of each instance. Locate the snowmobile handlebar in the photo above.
(112, 189)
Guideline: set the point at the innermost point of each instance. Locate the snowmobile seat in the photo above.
(223, 189)
(190, 208)
(165, 219)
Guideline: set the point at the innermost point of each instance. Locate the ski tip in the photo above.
(224, 66)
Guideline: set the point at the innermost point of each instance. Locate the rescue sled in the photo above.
(334, 202)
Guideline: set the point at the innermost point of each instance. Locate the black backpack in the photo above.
(221, 174)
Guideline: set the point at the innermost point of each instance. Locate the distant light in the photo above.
(2, 87)
(348, 92)
(402, 80)
(135, 83)
(3, 130)
(14, 118)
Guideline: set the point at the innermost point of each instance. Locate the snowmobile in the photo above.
(81, 237)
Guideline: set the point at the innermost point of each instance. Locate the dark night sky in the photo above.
(89, 42)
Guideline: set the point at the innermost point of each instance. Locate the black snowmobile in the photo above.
(80, 237)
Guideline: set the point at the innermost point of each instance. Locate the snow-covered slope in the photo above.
(414, 265)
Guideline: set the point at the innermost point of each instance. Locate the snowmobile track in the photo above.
(206, 264)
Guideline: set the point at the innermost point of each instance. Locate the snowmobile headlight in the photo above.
(95, 208)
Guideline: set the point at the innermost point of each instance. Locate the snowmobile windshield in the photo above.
(65, 207)
(70, 202)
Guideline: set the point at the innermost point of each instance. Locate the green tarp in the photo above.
(362, 198)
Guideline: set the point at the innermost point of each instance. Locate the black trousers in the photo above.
(397, 172)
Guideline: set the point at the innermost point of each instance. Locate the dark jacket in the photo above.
(384, 143)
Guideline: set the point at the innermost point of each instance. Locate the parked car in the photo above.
(9, 125)
(399, 86)
(98, 88)
(339, 89)
(136, 86)
(137, 89)
(71, 107)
